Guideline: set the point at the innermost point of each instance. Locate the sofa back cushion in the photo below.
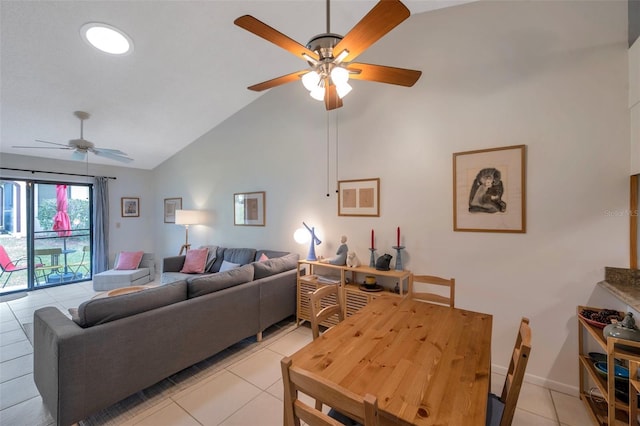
(105, 309)
(270, 254)
(219, 281)
(275, 265)
(240, 256)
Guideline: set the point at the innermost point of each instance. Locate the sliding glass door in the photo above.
(46, 234)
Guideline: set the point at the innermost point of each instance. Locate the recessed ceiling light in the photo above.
(106, 38)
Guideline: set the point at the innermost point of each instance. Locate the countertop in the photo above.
(624, 284)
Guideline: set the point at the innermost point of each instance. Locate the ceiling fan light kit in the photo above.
(328, 75)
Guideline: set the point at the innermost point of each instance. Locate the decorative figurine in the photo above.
(382, 264)
(352, 260)
(341, 255)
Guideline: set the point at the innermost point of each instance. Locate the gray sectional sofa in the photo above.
(116, 346)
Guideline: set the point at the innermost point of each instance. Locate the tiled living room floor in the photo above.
(240, 386)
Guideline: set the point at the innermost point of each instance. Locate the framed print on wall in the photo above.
(170, 207)
(249, 209)
(489, 190)
(360, 197)
(130, 207)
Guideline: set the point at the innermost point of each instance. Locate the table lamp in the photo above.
(186, 218)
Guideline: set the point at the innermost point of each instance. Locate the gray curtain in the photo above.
(100, 224)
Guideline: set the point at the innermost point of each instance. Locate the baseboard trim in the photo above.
(541, 381)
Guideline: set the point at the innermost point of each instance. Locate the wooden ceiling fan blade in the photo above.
(278, 81)
(385, 16)
(331, 98)
(274, 36)
(384, 74)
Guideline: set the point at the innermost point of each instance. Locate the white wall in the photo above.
(551, 75)
(124, 233)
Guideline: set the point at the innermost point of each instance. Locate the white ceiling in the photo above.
(188, 73)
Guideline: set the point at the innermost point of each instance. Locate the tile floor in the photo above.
(240, 387)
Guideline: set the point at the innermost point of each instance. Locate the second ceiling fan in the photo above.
(331, 56)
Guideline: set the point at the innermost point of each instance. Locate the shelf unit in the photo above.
(355, 299)
(629, 351)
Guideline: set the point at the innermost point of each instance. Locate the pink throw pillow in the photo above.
(195, 261)
(129, 260)
(263, 258)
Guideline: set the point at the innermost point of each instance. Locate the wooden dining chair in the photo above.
(326, 302)
(363, 410)
(429, 280)
(500, 410)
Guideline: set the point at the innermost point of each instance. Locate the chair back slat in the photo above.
(320, 313)
(515, 374)
(363, 410)
(433, 297)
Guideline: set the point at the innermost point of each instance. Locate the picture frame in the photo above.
(130, 207)
(359, 197)
(249, 208)
(489, 190)
(170, 207)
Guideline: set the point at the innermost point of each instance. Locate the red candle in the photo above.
(372, 246)
(398, 237)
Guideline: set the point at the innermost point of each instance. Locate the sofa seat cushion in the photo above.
(219, 281)
(119, 276)
(106, 309)
(275, 265)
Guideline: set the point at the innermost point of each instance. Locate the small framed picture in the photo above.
(489, 190)
(248, 209)
(130, 206)
(360, 197)
(170, 207)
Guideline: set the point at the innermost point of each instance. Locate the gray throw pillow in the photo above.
(211, 256)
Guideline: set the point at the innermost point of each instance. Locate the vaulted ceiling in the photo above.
(188, 72)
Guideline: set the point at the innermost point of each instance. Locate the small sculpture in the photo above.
(382, 264)
(341, 255)
(314, 240)
(352, 260)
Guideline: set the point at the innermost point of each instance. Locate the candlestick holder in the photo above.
(372, 261)
(398, 257)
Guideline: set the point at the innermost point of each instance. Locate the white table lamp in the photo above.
(186, 218)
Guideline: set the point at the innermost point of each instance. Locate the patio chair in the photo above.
(84, 261)
(42, 269)
(8, 266)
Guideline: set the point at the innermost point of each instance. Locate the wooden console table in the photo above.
(355, 298)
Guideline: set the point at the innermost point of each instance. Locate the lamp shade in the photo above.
(188, 217)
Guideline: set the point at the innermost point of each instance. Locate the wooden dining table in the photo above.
(427, 364)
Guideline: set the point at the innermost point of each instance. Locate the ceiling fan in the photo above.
(82, 146)
(331, 56)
